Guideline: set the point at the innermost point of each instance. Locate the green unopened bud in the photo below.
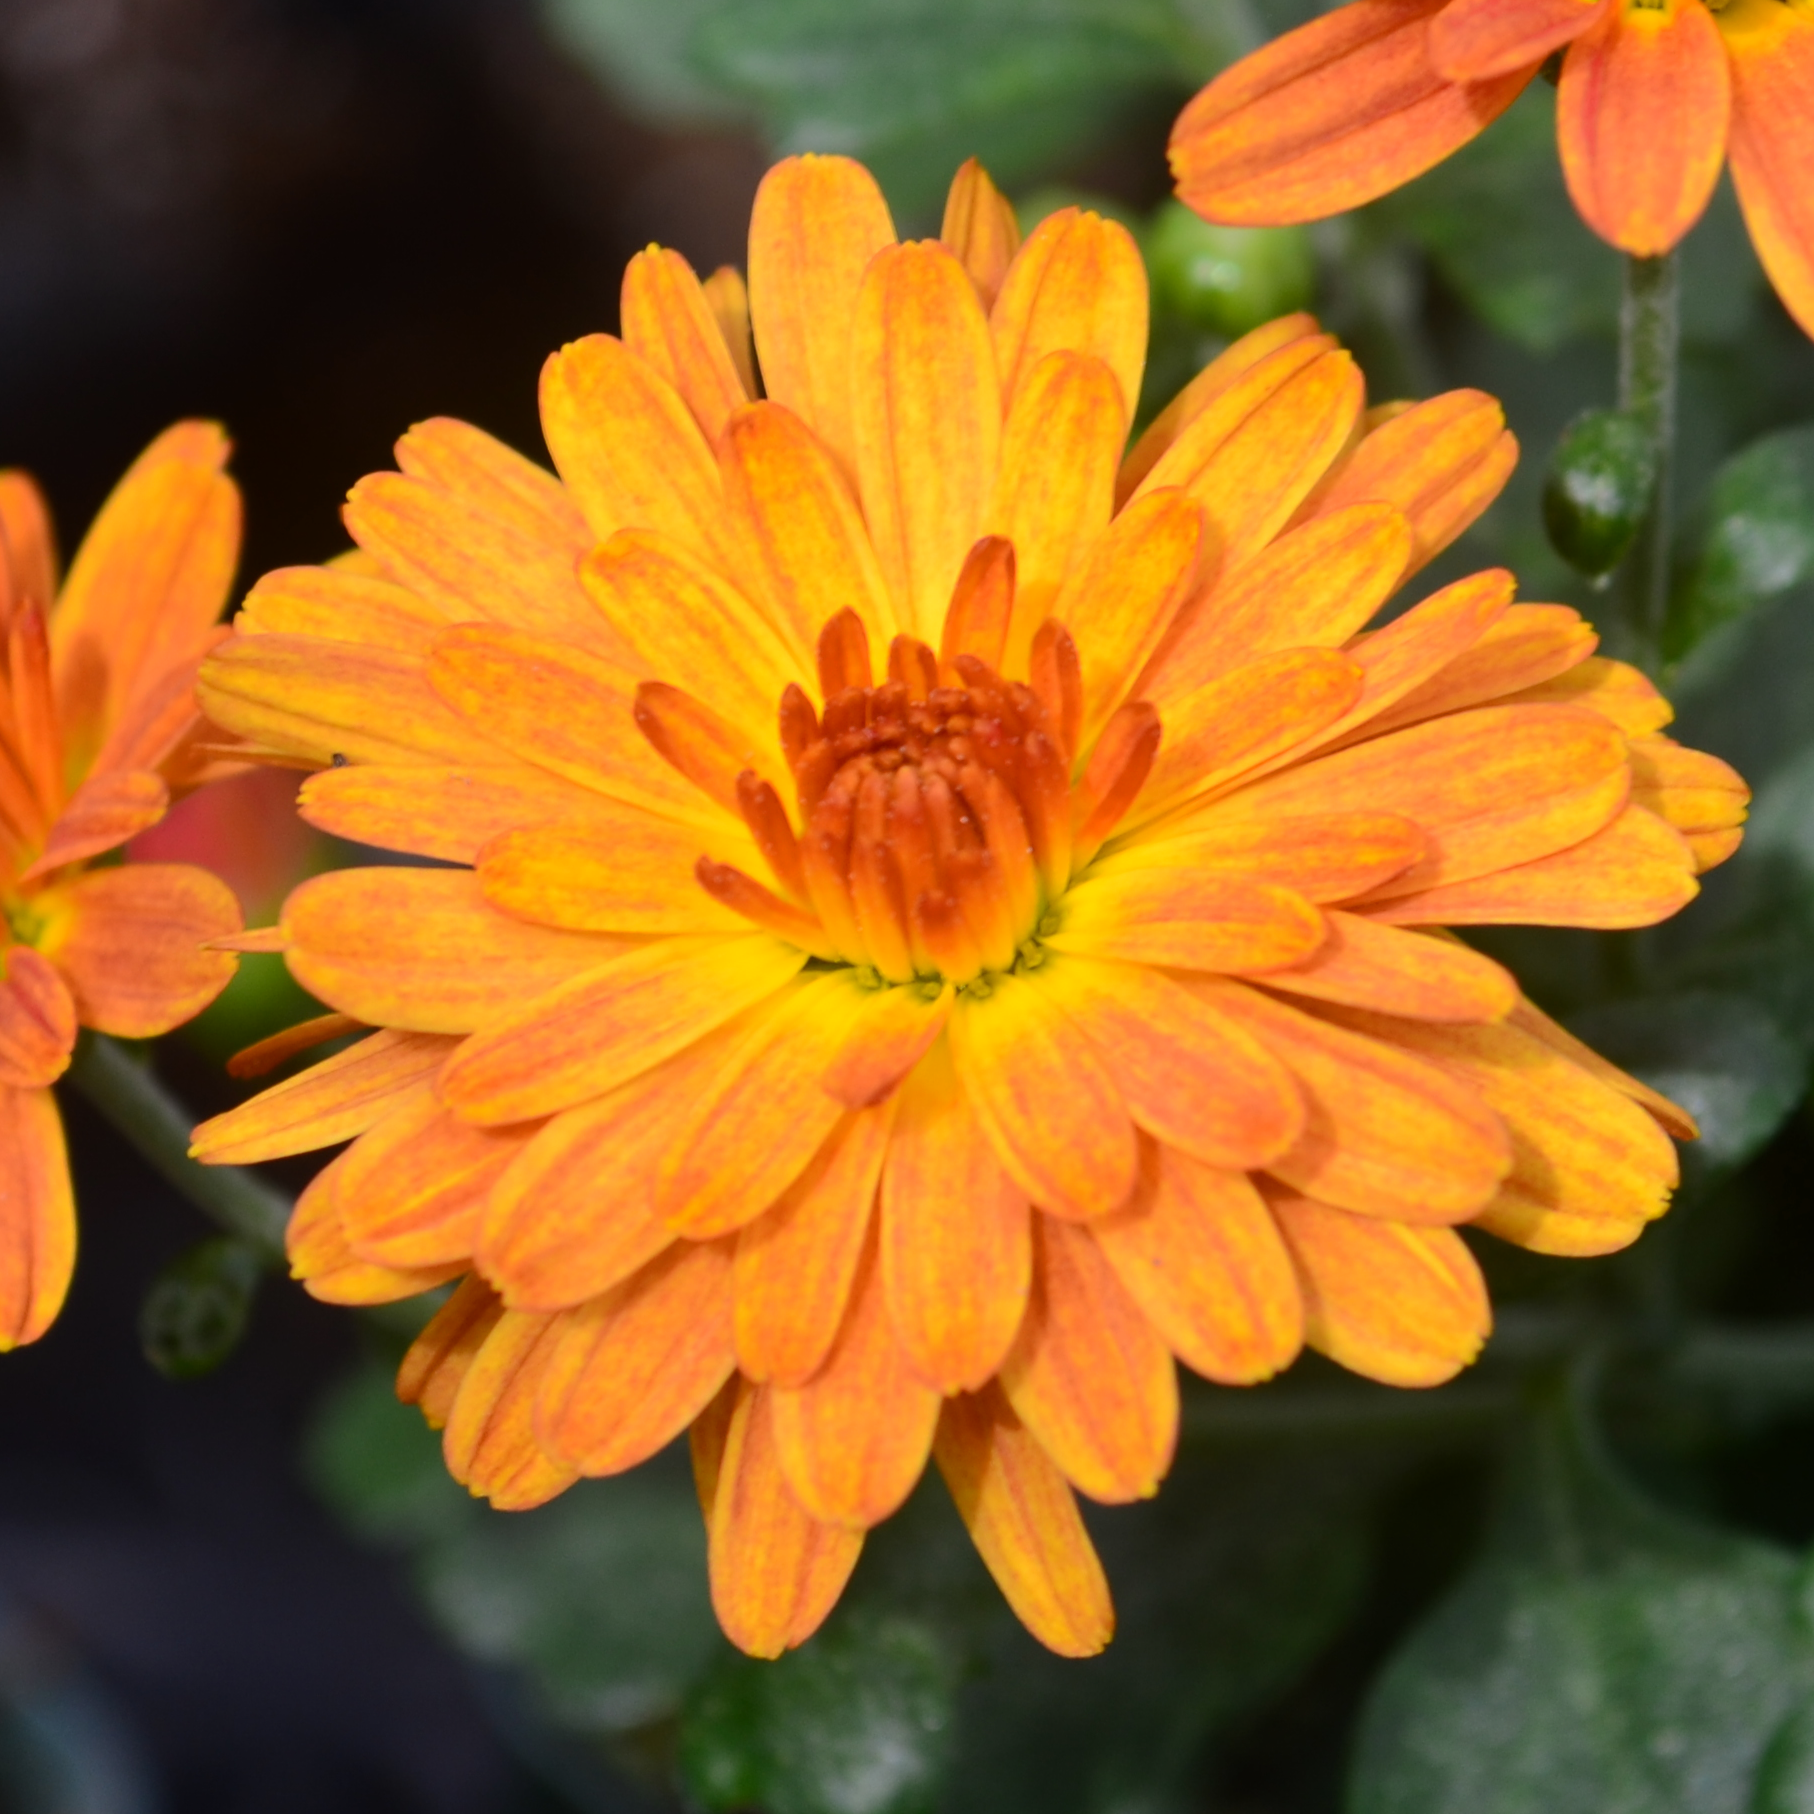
(1601, 477)
(1227, 280)
(195, 1312)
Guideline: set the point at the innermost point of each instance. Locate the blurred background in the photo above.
(320, 220)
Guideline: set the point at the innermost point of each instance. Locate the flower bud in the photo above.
(1227, 280)
(1600, 481)
(195, 1312)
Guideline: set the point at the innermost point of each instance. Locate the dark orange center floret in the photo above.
(938, 820)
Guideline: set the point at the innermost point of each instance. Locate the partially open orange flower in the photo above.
(98, 729)
(1654, 95)
(948, 916)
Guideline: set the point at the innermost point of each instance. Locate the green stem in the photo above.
(1649, 338)
(128, 1094)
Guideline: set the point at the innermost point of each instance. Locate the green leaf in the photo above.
(378, 1464)
(1603, 1657)
(914, 87)
(1598, 489)
(858, 1721)
(1758, 541)
(196, 1311)
(600, 1596)
(1722, 1056)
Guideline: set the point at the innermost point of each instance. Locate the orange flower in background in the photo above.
(949, 916)
(1654, 96)
(98, 730)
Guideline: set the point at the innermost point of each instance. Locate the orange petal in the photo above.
(895, 1032)
(776, 1570)
(757, 1122)
(149, 579)
(1329, 116)
(1387, 1134)
(319, 700)
(37, 1215)
(1322, 856)
(1641, 119)
(684, 623)
(1189, 1075)
(1078, 285)
(1633, 872)
(490, 1443)
(956, 1248)
(1056, 487)
(1489, 788)
(1701, 796)
(263, 1056)
(1180, 919)
(981, 229)
(728, 297)
(129, 943)
(1313, 586)
(559, 707)
(1123, 597)
(447, 812)
(413, 1189)
(1582, 1151)
(436, 1362)
(422, 949)
(1406, 1306)
(1527, 646)
(613, 1023)
(1199, 1252)
(1440, 462)
(489, 557)
(926, 414)
(806, 553)
(795, 1262)
(1670, 1116)
(1772, 54)
(335, 1100)
(855, 1437)
(668, 321)
(1024, 1522)
(1614, 689)
(335, 605)
(1473, 39)
(329, 1269)
(1258, 451)
(634, 1367)
(490, 478)
(37, 1022)
(1366, 965)
(1045, 1097)
(102, 813)
(553, 1236)
(619, 869)
(816, 224)
(1089, 1375)
(627, 446)
(1252, 717)
(28, 546)
(1222, 372)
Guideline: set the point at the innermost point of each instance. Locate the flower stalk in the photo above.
(136, 1105)
(1649, 342)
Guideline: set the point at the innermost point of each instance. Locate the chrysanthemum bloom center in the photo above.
(938, 815)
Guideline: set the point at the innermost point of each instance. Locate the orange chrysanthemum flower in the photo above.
(947, 924)
(1654, 94)
(98, 729)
